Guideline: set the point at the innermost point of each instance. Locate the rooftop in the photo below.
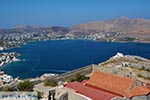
(120, 85)
(90, 92)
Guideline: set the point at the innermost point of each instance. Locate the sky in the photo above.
(68, 12)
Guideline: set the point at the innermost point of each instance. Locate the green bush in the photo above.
(49, 82)
(25, 86)
(139, 75)
(79, 78)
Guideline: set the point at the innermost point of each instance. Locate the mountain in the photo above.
(116, 29)
(37, 29)
(122, 24)
(60, 29)
(26, 27)
(29, 28)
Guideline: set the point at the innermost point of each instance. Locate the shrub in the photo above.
(79, 78)
(25, 86)
(49, 82)
(139, 75)
(144, 77)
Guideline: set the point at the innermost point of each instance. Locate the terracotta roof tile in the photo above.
(139, 90)
(115, 84)
(110, 82)
(92, 93)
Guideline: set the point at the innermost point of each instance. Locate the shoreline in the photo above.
(75, 40)
(70, 74)
(19, 46)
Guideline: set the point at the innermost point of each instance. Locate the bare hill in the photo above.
(122, 24)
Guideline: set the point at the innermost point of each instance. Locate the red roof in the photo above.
(120, 85)
(94, 94)
(105, 86)
(84, 81)
(140, 90)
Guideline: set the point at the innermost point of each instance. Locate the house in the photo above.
(4, 78)
(113, 86)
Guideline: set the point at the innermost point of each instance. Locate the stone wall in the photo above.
(66, 76)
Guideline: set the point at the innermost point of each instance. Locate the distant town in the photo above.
(110, 31)
(15, 39)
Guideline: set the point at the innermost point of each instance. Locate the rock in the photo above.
(127, 65)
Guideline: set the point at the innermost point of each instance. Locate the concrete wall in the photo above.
(139, 98)
(66, 76)
(148, 97)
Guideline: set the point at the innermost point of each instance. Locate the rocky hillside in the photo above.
(127, 65)
(122, 24)
(35, 29)
(117, 29)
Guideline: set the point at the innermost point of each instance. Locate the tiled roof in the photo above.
(140, 90)
(90, 92)
(120, 85)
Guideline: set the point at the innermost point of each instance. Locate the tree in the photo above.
(25, 86)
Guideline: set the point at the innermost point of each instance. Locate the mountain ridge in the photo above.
(116, 29)
(122, 24)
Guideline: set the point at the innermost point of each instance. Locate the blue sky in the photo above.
(68, 12)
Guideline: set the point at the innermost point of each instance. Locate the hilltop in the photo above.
(117, 29)
(127, 65)
(122, 24)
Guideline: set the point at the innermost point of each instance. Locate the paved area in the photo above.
(42, 88)
(74, 96)
(71, 93)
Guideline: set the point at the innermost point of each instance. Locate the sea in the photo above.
(60, 56)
